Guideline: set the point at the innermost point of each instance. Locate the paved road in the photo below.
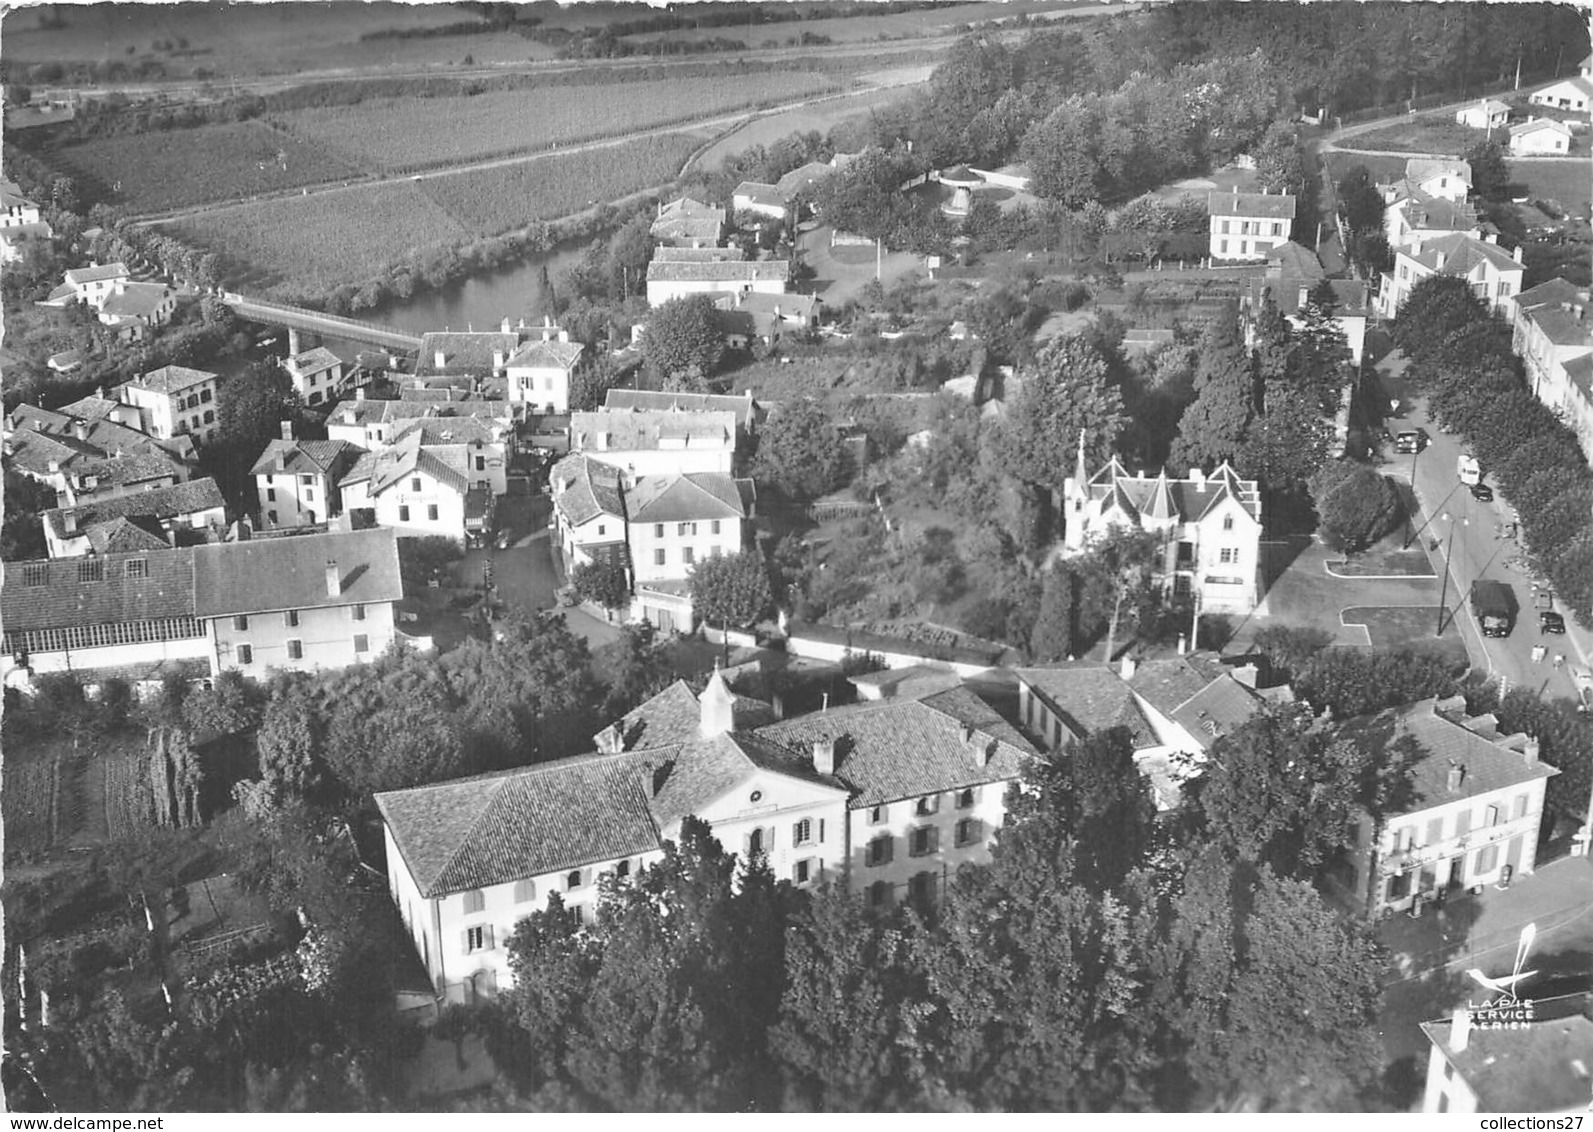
(1478, 551)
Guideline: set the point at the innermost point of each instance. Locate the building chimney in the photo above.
(1438, 260)
(1415, 248)
(717, 707)
(287, 430)
(282, 459)
(1531, 751)
(824, 756)
(1459, 1030)
(1197, 476)
(69, 521)
(498, 358)
(1126, 668)
(1247, 674)
(334, 580)
(1457, 775)
(564, 335)
(1183, 644)
(610, 741)
(359, 395)
(1516, 253)
(504, 327)
(440, 359)
(80, 429)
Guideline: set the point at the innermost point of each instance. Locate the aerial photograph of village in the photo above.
(872, 556)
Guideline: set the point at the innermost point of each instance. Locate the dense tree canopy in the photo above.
(1068, 391)
(683, 337)
(800, 452)
(731, 590)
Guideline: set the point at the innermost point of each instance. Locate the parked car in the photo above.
(1412, 440)
(1482, 493)
(1550, 622)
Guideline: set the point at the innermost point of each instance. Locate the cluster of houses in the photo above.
(130, 307)
(20, 223)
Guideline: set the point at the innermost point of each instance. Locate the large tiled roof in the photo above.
(1556, 291)
(691, 207)
(1563, 327)
(906, 748)
(583, 489)
(97, 273)
(693, 776)
(171, 379)
(97, 591)
(670, 719)
(1460, 253)
(1580, 373)
(692, 496)
(136, 300)
(802, 177)
(93, 408)
(390, 466)
(435, 431)
(1438, 214)
(161, 503)
(1540, 1067)
(1197, 693)
(304, 457)
(462, 350)
(760, 193)
(1444, 742)
(314, 361)
(631, 431)
(105, 449)
(1419, 169)
(1296, 261)
(1272, 206)
(126, 536)
(551, 354)
(687, 228)
(1191, 498)
(263, 575)
(11, 196)
(497, 828)
(697, 255)
(632, 400)
(1090, 699)
(387, 412)
(737, 271)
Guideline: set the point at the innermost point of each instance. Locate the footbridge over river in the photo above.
(319, 322)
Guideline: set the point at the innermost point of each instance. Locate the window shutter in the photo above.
(934, 838)
(821, 831)
(796, 834)
(890, 850)
(486, 937)
(464, 941)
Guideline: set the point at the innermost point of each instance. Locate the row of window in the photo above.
(1252, 228)
(921, 888)
(1492, 815)
(309, 494)
(525, 891)
(403, 512)
(922, 841)
(209, 418)
(245, 653)
(927, 805)
(685, 530)
(305, 480)
(688, 554)
(203, 397)
(290, 618)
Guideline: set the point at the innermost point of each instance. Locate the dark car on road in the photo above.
(1482, 493)
(1550, 622)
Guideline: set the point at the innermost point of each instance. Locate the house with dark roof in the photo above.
(1211, 526)
(889, 799)
(749, 317)
(755, 198)
(749, 414)
(318, 375)
(132, 308)
(297, 481)
(1246, 226)
(314, 601)
(1293, 274)
(1474, 811)
(588, 511)
(1493, 274)
(376, 424)
(688, 223)
(674, 522)
(1541, 1065)
(90, 457)
(182, 513)
(173, 401)
(651, 442)
(415, 488)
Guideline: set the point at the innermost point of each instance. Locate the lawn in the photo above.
(489, 201)
(171, 169)
(1569, 182)
(1411, 626)
(1421, 133)
(400, 134)
(1385, 562)
(309, 245)
(1383, 169)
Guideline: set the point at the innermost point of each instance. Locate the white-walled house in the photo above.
(1574, 95)
(186, 512)
(755, 198)
(318, 375)
(1476, 809)
(1446, 177)
(132, 308)
(1211, 526)
(94, 455)
(308, 602)
(672, 279)
(1535, 1066)
(92, 285)
(1484, 114)
(646, 442)
(173, 401)
(588, 511)
(1420, 217)
(1246, 226)
(1553, 337)
(674, 523)
(414, 489)
(297, 481)
(539, 371)
(888, 799)
(1538, 137)
(1493, 274)
(376, 424)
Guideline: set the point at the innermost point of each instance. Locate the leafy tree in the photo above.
(800, 452)
(604, 582)
(231, 704)
(591, 381)
(1116, 576)
(1356, 505)
(1287, 648)
(22, 535)
(1350, 682)
(408, 737)
(683, 335)
(1068, 391)
(1052, 636)
(1360, 201)
(638, 667)
(1324, 351)
(1436, 309)
(1289, 440)
(1113, 813)
(1490, 176)
(289, 741)
(1214, 426)
(731, 589)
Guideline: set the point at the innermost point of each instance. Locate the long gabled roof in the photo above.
(1460, 253)
(1271, 206)
(647, 400)
(68, 592)
(1090, 698)
(720, 271)
(1197, 693)
(584, 489)
(550, 354)
(637, 430)
(265, 575)
(160, 504)
(170, 379)
(390, 466)
(304, 457)
(690, 496)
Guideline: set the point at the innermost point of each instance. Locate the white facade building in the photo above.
(174, 401)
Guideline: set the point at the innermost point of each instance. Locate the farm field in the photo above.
(406, 133)
(1569, 182)
(173, 169)
(308, 245)
(490, 201)
(823, 116)
(27, 796)
(939, 20)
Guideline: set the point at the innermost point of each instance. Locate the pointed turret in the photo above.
(718, 704)
(1160, 505)
(1081, 475)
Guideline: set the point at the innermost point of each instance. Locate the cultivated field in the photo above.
(27, 797)
(939, 20)
(490, 201)
(407, 133)
(317, 242)
(821, 116)
(1569, 182)
(173, 169)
